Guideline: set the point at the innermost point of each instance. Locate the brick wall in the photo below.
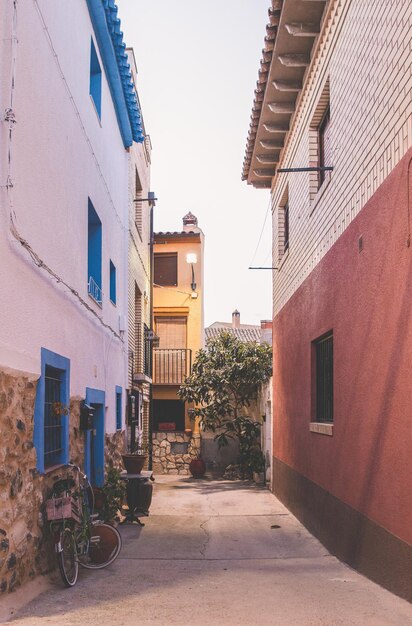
(363, 61)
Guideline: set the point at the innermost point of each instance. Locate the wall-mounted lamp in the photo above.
(191, 258)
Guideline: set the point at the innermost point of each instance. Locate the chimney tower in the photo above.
(235, 319)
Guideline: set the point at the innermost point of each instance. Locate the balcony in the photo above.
(171, 366)
(94, 291)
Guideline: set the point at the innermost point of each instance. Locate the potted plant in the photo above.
(134, 461)
(108, 500)
(257, 465)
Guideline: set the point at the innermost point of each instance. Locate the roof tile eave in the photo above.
(261, 84)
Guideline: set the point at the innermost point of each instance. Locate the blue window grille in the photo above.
(118, 408)
(94, 255)
(112, 283)
(95, 80)
(51, 414)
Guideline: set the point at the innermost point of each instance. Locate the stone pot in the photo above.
(134, 462)
(259, 477)
(197, 468)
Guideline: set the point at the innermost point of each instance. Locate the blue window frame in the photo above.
(51, 411)
(94, 254)
(95, 80)
(118, 408)
(112, 282)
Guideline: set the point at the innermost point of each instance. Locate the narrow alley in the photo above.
(217, 553)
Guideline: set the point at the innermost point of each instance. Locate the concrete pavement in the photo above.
(218, 553)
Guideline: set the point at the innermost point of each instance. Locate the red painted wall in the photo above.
(366, 298)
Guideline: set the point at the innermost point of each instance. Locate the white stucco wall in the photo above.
(61, 156)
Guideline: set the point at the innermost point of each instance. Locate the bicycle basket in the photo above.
(63, 508)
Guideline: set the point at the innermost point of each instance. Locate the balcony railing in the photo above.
(171, 366)
(94, 290)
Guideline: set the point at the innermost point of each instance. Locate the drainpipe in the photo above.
(152, 199)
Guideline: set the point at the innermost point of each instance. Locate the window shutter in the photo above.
(165, 269)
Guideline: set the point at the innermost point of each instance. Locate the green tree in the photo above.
(225, 379)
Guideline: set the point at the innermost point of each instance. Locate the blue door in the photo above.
(94, 439)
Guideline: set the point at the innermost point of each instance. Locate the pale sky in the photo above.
(198, 64)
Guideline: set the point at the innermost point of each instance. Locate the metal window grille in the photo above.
(324, 379)
(147, 353)
(94, 290)
(285, 227)
(53, 427)
(118, 411)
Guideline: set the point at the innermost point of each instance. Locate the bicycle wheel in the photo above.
(104, 548)
(67, 557)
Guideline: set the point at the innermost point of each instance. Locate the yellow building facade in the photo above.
(178, 322)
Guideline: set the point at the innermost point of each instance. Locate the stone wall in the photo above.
(114, 447)
(21, 537)
(165, 461)
(25, 543)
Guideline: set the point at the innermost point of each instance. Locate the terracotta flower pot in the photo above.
(197, 468)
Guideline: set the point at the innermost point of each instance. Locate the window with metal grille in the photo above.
(53, 412)
(325, 144)
(324, 378)
(165, 269)
(118, 408)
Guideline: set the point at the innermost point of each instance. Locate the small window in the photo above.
(325, 145)
(165, 269)
(285, 227)
(169, 415)
(94, 255)
(118, 408)
(51, 414)
(138, 203)
(95, 80)
(283, 224)
(324, 378)
(112, 283)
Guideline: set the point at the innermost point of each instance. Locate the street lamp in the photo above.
(191, 258)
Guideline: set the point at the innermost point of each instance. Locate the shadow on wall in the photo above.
(217, 460)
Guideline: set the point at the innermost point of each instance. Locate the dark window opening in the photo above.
(286, 227)
(112, 282)
(118, 410)
(95, 80)
(324, 378)
(165, 269)
(53, 417)
(94, 254)
(169, 415)
(325, 144)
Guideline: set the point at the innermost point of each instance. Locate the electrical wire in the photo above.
(186, 293)
(261, 232)
(10, 118)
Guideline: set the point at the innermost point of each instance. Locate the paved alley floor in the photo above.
(217, 553)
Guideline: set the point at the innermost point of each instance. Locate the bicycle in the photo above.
(79, 537)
